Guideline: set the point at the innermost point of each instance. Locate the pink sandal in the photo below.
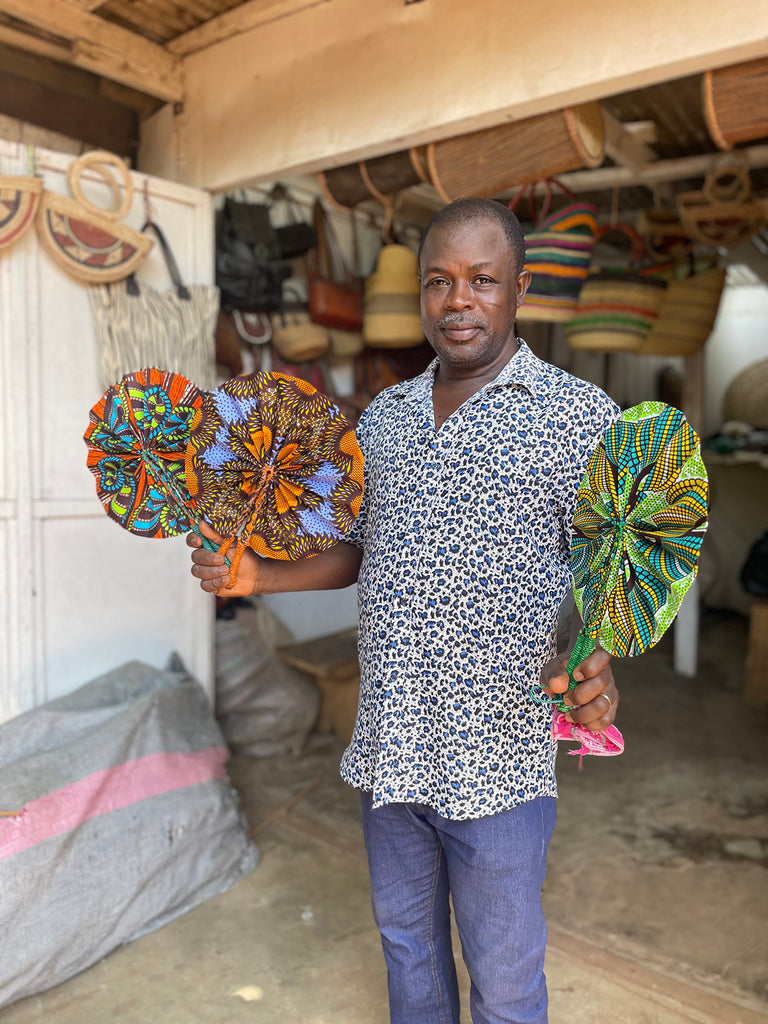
(607, 743)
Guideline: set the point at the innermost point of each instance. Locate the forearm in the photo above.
(333, 569)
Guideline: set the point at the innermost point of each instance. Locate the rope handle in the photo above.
(638, 250)
(99, 161)
(530, 189)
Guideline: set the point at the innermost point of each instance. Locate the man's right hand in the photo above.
(211, 569)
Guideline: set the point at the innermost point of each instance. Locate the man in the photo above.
(461, 554)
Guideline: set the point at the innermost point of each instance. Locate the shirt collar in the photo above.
(524, 369)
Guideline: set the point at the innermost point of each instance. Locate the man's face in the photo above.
(470, 291)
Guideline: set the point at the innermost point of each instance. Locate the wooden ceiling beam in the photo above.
(239, 19)
(622, 146)
(104, 48)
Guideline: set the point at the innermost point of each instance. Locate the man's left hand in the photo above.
(595, 699)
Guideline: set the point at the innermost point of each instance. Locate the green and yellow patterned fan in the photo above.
(641, 515)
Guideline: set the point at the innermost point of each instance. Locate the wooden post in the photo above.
(686, 637)
(756, 668)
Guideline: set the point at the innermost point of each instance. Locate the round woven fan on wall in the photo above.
(747, 396)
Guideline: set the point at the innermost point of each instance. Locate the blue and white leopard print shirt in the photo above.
(466, 540)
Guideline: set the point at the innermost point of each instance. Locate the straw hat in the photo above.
(392, 316)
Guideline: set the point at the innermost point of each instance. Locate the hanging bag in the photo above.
(244, 272)
(558, 254)
(335, 299)
(90, 243)
(294, 237)
(295, 337)
(618, 306)
(138, 326)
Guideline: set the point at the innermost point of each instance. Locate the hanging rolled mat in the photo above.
(485, 163)
(687, 315)
(380, 178)
(735, 101)
(617, 307)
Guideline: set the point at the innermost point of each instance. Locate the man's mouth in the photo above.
(459, 330)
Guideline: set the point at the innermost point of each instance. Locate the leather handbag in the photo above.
(294, 237)
(295, 337)
(247, 281)
(251, 224)
(335, 298)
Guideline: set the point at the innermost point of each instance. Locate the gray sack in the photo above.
(128, 820)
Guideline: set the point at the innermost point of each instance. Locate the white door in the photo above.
(79, 595)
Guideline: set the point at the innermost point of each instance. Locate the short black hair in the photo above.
(475, 208)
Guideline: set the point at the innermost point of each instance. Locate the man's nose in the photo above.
(460, 295)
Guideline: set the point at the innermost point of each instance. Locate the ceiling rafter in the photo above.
(239, 19)
(105, 49)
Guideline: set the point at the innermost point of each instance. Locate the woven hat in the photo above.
(392, 315)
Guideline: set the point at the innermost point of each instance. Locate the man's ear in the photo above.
(523, 283)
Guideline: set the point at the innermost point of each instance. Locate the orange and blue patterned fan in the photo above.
(273, 465)
(640, 518)
(137, 439)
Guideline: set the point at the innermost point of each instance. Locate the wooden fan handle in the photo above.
(100, 161)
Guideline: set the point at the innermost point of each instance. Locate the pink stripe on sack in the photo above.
(108, 790)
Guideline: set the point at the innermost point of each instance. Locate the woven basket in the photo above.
(616, 312)
(19, 197)
(735, 101)
(380, 178)
(485, 163)
(746, 398)
(687, 315)
(558, 254)
(88, 242)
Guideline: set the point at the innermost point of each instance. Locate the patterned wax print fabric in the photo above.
(137, 440)
(275, 465)
(640, 519)
(466, 558)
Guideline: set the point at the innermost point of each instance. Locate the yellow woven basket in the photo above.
(687, 315)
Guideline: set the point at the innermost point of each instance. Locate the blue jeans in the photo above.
(493, 868)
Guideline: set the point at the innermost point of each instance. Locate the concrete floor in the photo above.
(656, 895)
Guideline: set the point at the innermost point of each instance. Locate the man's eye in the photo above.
(436, 281)
(483, 280)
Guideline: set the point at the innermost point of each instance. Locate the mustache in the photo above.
(460, 318)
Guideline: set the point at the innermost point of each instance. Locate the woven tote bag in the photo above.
(618, 306)
(558, 254)
(138, 326)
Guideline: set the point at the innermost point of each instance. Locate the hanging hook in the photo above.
(147, 204)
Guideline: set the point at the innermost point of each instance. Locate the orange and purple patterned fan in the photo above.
(273, 465)
(137, 439)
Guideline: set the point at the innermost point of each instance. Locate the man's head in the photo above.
(473, 209)
(471, 269)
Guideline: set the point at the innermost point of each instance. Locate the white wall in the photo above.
(740, 337)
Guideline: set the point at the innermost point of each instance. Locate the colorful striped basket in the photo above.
(558, 254)
(616, 311)
(618, 305)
